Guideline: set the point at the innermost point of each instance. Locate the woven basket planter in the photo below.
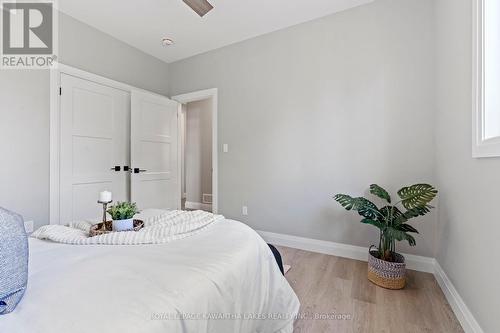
(389, 275)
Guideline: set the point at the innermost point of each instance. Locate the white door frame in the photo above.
(55, 117)
(198, 96)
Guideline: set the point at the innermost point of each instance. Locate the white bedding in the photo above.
(160, 227)
(227, 271)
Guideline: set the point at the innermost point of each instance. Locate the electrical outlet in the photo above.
(28, 226)
(244, 210)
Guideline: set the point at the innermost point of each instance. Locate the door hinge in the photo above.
(60, 91)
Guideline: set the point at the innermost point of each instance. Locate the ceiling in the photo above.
(143, 23)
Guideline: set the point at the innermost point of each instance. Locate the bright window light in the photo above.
(491, 121)
(486, 78)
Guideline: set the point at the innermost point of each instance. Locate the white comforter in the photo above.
(159, 227)
(224, 279)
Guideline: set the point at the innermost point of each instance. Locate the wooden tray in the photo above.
(97, 229)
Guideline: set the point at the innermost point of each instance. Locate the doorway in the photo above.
(198, 150)
(105, 135)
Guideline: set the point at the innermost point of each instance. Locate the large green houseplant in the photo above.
(392, 219)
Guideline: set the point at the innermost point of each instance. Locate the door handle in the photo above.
(116, 168)
(137, 170)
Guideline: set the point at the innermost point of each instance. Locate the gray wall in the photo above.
(24, 143)
(24, 110)
(84, 47)
(323, 107)
(468, 229)
(198, 150)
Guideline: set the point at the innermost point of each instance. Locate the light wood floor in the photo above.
(327, 284)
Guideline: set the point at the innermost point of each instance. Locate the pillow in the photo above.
(13, 260)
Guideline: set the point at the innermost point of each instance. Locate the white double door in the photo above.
(120, 141)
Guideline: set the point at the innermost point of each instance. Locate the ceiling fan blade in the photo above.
(201, 7)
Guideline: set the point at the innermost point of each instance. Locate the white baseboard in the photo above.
(464, 316)
(418, 263)
(197, 205)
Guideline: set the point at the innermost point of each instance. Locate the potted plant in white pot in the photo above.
(122, 214)
(386, 267)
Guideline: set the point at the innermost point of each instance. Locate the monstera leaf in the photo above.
(363, 206)
(345, 201)
(418, 195)
(375, 223)
(380, 192)
(407, 228)
(411, 213)
(399, 235)
(390, 213)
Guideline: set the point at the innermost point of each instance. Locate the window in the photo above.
(486, 76)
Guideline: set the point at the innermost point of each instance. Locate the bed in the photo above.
(223, 279)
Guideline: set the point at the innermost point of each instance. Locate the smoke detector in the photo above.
(167, 41)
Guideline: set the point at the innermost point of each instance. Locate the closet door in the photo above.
(95, 137)
(154, 152)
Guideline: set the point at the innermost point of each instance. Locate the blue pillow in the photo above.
(13, 260)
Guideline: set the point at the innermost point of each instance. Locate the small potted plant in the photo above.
(122, 214)
(386, 267)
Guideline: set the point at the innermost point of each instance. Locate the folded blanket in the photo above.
(162, 228)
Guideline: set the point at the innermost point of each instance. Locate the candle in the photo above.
(105, 196)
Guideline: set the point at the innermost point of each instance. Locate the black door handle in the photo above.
(116, 168)
(137, 170)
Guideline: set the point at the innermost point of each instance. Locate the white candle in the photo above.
(105, 196)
